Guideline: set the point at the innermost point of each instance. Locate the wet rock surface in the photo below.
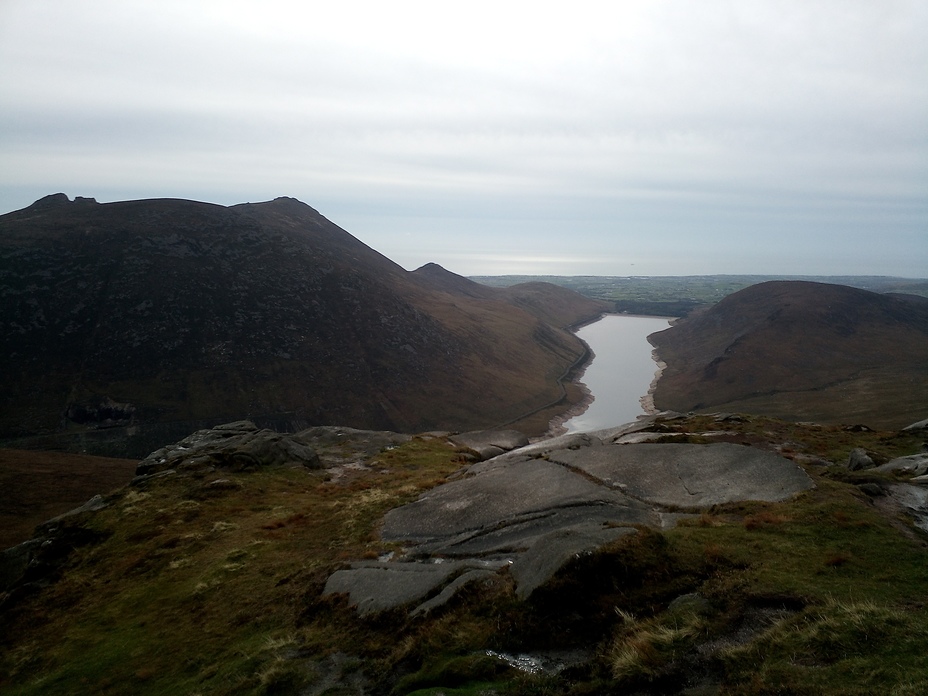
(910, 499)
(537, 507)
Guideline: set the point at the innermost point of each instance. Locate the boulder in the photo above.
(690, 603)
(15, 560)
(874, 490)
(918, 425)
(916, 464)
(859, 459)
(33, 563)
(914, 501)
(490, 443)
(95, 503)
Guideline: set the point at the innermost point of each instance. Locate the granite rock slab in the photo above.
(690, 476)
(533, 510)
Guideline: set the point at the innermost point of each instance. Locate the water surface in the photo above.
(621, 371)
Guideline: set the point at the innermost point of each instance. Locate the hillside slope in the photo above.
(213, 578)
(161, 316)
(800, 350)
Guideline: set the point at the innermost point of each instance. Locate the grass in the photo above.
(184, 588)
(644, 649)
(225, 572)
(40, 485)
(850, 647)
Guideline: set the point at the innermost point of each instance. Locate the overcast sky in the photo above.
(603, 138)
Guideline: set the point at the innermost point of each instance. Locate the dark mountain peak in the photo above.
(819, 306)
(58, 200)
(553, 303)
(185, 312)
(439, 278)
(52, 200)
(800, 290)
(432, 268)
(284, 204)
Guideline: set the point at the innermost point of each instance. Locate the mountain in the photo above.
(138, 321)
(800, 351)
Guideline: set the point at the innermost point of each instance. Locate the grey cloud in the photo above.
(621, 130)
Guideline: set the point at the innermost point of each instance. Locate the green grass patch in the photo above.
(838, 647)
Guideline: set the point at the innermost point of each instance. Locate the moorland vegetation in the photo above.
(181, 585)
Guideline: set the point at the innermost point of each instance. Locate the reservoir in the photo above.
(621, 371)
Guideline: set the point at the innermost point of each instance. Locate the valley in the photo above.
(244, 453)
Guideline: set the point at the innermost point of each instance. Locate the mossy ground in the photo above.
(189, 588)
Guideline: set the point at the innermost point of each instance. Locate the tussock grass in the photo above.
(838, 647)
(644, 650)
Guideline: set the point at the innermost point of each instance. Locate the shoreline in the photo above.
(556, 424)
(647, 401)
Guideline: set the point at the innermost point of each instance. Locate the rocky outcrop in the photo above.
(238, 446)
(490, 443)
(859, 459)
(918, 426)
(534, 509)
(911, 500)
(234, 446)
(915, 464)
(34, 563)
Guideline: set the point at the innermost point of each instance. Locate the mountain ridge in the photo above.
(799, 350)
(194, 313)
